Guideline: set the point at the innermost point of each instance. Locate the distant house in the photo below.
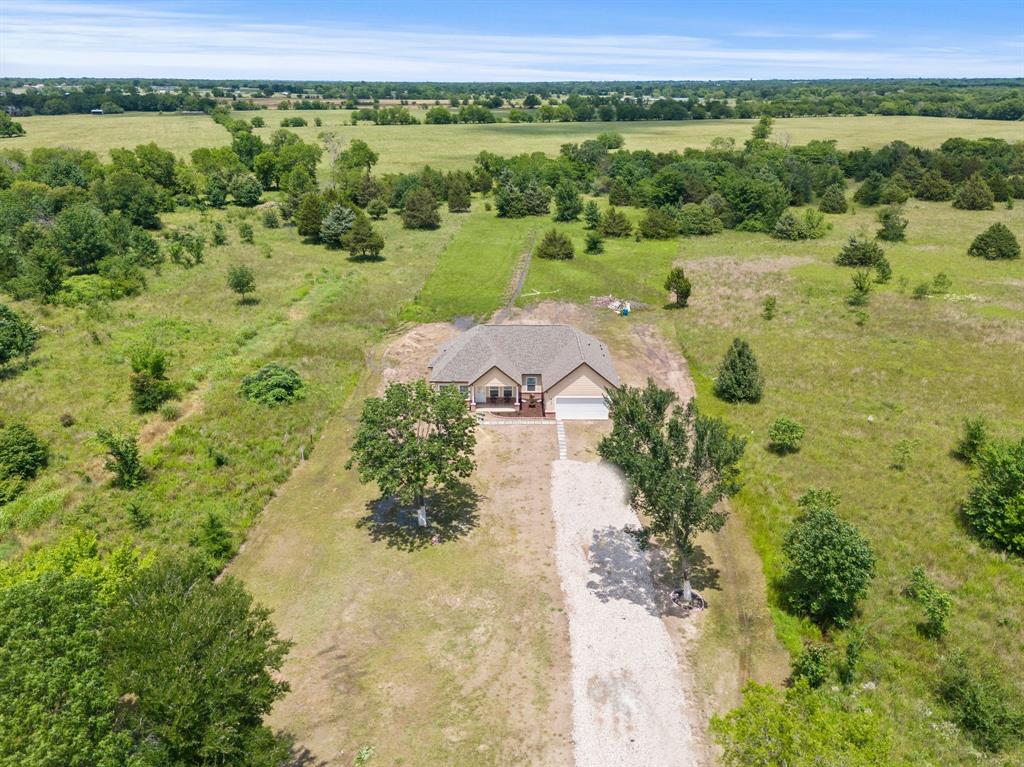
(530, 370)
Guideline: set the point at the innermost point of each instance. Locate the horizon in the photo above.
(403, 41)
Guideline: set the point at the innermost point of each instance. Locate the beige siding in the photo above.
(584, 381)
(494, 377)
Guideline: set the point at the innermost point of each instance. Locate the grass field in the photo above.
(407, 148)
(912, 371)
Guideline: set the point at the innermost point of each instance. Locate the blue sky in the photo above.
(518, 40)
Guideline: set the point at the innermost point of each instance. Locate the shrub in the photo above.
(186, 247)
(679, 285)
(937, 604)
(829, 564)
(459, 199)
(22, 453)
(213, 539)
(902, 453)
(851, 659)
(148, 379)
(895, 191)
(974, 194)
(17, 336)
(870, 192)
(979, 704)
(921, 291)
(833, 200)
(995, 505)
(335, 225)
(272, 385)
(594, 243)
(554, 245)
(813, 664)
(246, 190)
(788, 227)
(363, 241)
(170, 412)
(614, 223)
(122, 458)
(859, 251)
(591, 215)
(420, 211)
(941, 283)
(67, 420)
(860, 288)
(785, 436)
(769, 307)
(933, 186)
(658, 225)
(219, 235)
(739, 377)
(996, 242)
(310, 215)
(973, 438)
(241, 280)
(377, 208)
(271, 219)
(894, 225)
(699, 220)
(883, 270)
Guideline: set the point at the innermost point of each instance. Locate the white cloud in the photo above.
(104, 39)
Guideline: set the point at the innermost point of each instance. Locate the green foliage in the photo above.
(974, 194)
(860, 251)
(412, 438)
(833, 200)
(829, 564)
(933, 186)
(883, 270)
(870, 192)
(679, 464)
(860, 288)
(377, 208)
(801, 727)
(785, 436)
(554, 245)
(245, 232)
(941, 283)
(568, 202)
(122, 458)
(362, 240)
(699, 219)
(17, 336)
(980, 704)
(594, 243)
(148, 379)
(241, 280)
(614, 223)
(336, 225)
(996, 242)
(855, 641)
(186, 247)
(995, 505)
(895, 191)
(22, 456)
(974, 436)
(902, 453)
(610, 140)
(271, 219)
(246, 190)
(9, 127)
(935, 602)
(459, 199)
(894, 225)
(658, 224)
(591, 215)
(769, 307)
(813, 664)
(811, 227)
(81, 236)
(420, 211)
(310, 215)
(678, 284)
(213, 539)
(739, 377)
(218, 234)
(272, 385)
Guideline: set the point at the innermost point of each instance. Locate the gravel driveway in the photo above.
(629, 707)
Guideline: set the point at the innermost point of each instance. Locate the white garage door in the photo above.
(581, 408)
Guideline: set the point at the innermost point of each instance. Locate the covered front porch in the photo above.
(507, 399)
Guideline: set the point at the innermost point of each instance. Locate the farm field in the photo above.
(407, 148)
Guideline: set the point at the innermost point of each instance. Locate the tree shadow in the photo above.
(366, 259)
(704, 577)
(249, 301)
(451, 514)
(300, 756)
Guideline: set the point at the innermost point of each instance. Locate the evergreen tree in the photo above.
(614, 223)
(657, 224)
(377, 208)
(336, 224)
(974, 194)
(595, 243)
(996, 242)
(459, 200)
(420, 211)
(895, 191)
(860, 251)
(555, 245)
(679, 285)
(894, 225)
(933, 186)
(870, 192)
(568, 203)
(833, 200)
(363, 241)
(739, 376)
(309, 215)
(591, 215)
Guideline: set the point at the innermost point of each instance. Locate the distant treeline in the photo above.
(998, 99)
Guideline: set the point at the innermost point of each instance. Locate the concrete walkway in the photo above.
(629, 706)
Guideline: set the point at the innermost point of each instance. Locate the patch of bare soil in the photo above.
(157, 429)
(406, 357)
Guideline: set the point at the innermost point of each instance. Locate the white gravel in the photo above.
(629, 708)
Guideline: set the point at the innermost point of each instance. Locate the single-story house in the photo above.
(530, 370)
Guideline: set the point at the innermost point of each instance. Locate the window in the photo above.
(464, 390)
(531, 383)
(493, 392)
(508, 392)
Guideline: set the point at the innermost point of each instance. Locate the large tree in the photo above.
(412, 438)
(680, 465)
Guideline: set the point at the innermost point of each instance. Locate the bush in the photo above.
(335, 225)
(420, 211)
(699, 220)
(974, 194)
(894, 225)
(902, 453)
(678, 284)
(785, 436)
(883, 270)
(554, 245)
(363, 241)
(870, 192)
(271, 219)
(568, 203)
(22, 453)
(995, 505)
(937, 604)
(272, 385)
(941, 283)
(148, 379)
(860, 288)
(739, 377)
(218, 235)
(859, 251)
(788, 227)
(996, 242)
(17, 336)
(377, 208)
(614, 223)
(309, 215)
(973, 438)
(245, 232)
(658, 225)
(768, 308)
(459, 199)
(591, 215)
(933, 186)
(833, 200)
(895, 191)
(246, 190)
(122, 458)
(186, 247)
(829, 564)
(594, 243)
(814, 664)
(921, 291)
(979, 704)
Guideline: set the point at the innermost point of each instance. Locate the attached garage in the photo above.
(581, 408)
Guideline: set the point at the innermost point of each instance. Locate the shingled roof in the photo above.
(553, 351)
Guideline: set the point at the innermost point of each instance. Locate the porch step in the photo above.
(563, 446)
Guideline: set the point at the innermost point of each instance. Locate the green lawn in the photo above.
(912, 371)
(407, 148)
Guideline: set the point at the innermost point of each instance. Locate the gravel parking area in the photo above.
(629, 704)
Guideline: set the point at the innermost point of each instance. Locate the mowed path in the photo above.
(629, 705)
